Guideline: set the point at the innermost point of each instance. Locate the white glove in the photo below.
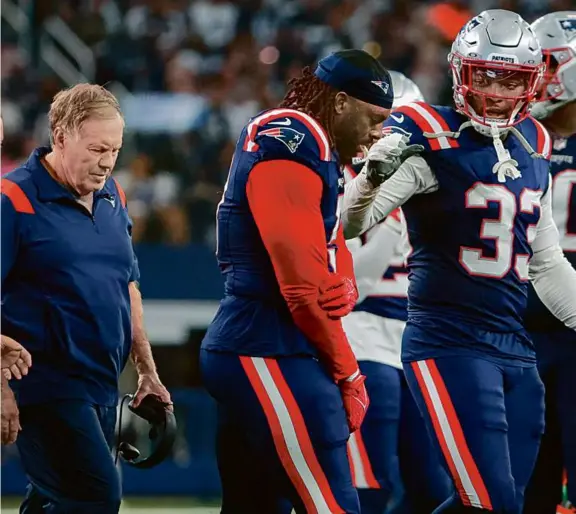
(387, 155)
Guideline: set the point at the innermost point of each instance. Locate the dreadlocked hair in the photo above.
(311, 96)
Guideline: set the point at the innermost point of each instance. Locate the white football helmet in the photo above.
(493, 46)
(556, 32)
(405, 90)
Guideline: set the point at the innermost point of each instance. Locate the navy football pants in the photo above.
(557, 365)
(393, 443)
(282, 435)
(487, 419)
(65, 448)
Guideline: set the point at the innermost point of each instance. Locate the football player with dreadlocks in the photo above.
(392, 438)
(556, 344)
(478, 209)
(275, 357)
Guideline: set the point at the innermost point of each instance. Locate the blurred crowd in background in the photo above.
(189, 74)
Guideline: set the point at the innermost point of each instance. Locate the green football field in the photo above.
(141, 506)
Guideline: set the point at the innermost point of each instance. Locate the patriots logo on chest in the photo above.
(568, 25)
(290, 137)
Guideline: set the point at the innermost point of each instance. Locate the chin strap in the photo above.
(506, 166)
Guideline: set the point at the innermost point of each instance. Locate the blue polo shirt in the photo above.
(65, 276)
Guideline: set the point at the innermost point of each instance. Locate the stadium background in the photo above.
(189, 73)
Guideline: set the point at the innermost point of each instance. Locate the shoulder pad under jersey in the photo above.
(537, 135)
(416, 119)
(288, 134)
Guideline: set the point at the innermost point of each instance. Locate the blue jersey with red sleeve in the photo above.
(65, 285)
(253, 317)
(563, 169)
(471, 235)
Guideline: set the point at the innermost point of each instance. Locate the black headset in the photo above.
(162, 432)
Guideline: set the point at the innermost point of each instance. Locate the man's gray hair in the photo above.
(71, 107)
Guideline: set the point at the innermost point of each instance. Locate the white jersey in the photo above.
(375, 327)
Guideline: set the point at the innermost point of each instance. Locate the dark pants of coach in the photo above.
(65, 447)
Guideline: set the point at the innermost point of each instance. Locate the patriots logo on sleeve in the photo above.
(392, 129)
(290, 137)
(568, 25)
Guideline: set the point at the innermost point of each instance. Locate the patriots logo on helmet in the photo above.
(474, 22)
(384, 86)
(568, 25)
(290, 137)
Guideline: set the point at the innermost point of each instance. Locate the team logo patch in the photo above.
(560, 144)
(568, 25)
(111, 199)
(474, 22)
(384, 86)
(290, 137)
(391, 129)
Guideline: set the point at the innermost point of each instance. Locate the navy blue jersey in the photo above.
(563, 168)
(65, 276)
(471, 236)
(253, 317)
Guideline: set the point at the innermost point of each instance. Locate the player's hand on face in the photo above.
(150, 384)
(10, 416)
(338, 295)
(16, 360)
(387, 155)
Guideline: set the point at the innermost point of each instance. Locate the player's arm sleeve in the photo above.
(362, 209)
(10, 236)
(373, 258)
(553, 277)
(284, 197)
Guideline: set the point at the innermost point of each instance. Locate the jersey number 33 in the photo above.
(500, 230)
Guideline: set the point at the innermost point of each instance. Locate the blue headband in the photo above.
(371, 84)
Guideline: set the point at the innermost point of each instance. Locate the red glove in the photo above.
(338, 296)
(355, 399)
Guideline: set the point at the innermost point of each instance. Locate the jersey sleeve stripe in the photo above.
(121, 193)
(437, 123)
(544, 139)
(428, 120)
(17, 196)
(290, 434)
(311, 124)
(420, 121)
